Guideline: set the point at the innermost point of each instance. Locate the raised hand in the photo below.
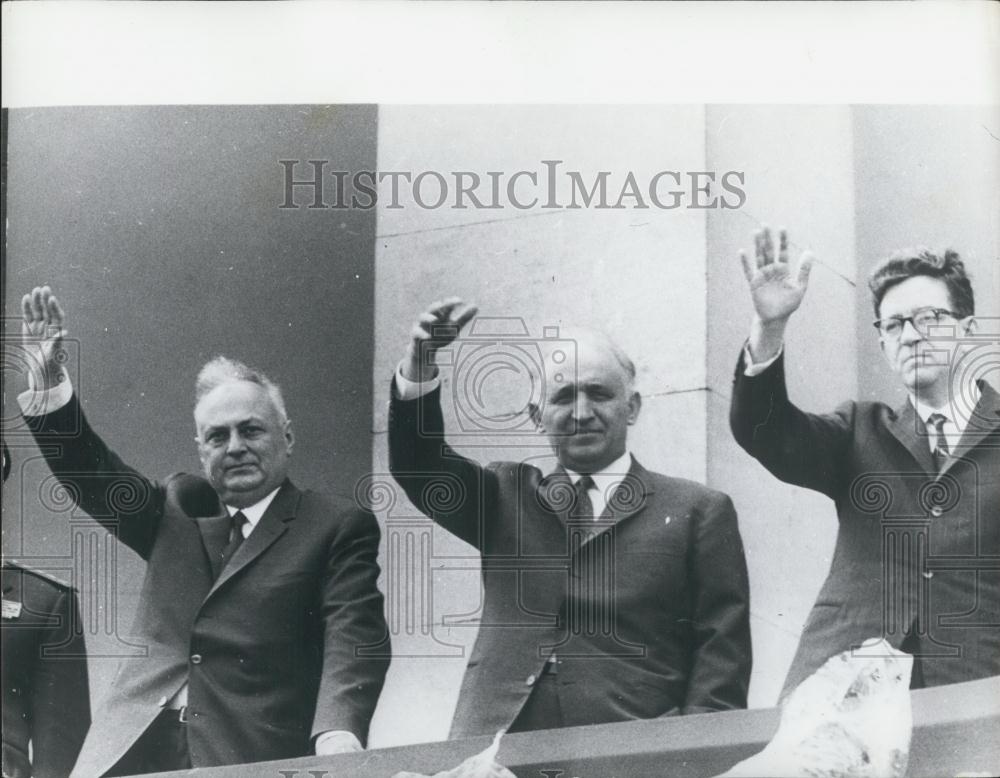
(42, 335)
(777, 288)
(436, 328)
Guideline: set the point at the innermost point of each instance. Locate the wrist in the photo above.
(770, 326)
(45, 378)
(766, 338)
(418, 367)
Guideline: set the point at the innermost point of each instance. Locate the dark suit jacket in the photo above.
(650, 617)
(916, 559)
(269, 649)
(46, 700)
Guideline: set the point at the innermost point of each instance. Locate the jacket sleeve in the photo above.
(453, 491)
(356, 648)
(60, 702)
(721, 656)
(124, 502)
(803, 449)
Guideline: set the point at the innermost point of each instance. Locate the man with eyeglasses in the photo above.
(917, 488)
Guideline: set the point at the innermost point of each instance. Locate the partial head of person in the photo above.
(588, 401)
(244, 435)
(924, 307)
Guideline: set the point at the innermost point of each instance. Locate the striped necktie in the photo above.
(941, 448)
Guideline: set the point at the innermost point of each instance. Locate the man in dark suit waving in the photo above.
(917, 488)
(610, 592)
(258, 600)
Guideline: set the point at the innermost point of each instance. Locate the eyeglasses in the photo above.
(922, 321)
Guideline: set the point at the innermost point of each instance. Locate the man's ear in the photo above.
(634, 406)
(969, 325)
(289, 435)
(536, 415)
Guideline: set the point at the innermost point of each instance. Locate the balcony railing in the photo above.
(956, 731)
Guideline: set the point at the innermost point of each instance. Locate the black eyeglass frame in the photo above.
(923, 329)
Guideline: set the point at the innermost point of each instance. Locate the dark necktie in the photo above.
(235, 538)
(941, 449)
(583, 506)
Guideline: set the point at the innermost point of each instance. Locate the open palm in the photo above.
(42, 335)
(776, 287)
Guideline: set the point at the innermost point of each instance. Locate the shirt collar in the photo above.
(256, 511)
(948, 410)
(606, 477)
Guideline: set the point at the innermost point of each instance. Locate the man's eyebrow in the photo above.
(240, 423)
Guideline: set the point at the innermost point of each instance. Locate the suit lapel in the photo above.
(909, 430)
(214, 536)
(984, 421)
(628, 499)
(555, 494)
(272, 525)
(630, 496)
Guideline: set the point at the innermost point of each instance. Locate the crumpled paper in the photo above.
(482, 765)
(849, 719)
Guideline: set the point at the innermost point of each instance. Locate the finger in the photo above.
(442, 310)
(55, 313)
(805, 268)
(747, 269)
(37, 311)
(465, 316)
(46, 295)
(436, 328)
(768, 246)
(425, 322)
(26, 310)
(758, 246)
(783, 245)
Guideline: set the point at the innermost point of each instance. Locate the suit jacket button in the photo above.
(936, 511)
(530, 680)
(196, 659)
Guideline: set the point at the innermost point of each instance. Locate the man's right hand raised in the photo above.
(777, 290)
(436, 328)
(42, 334)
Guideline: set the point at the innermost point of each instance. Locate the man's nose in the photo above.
(236, 444)
(582, 408)
(910, 333)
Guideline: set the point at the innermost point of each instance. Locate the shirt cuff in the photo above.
(337, 741)
(756, 368)
(39, 402)
(412, 390)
